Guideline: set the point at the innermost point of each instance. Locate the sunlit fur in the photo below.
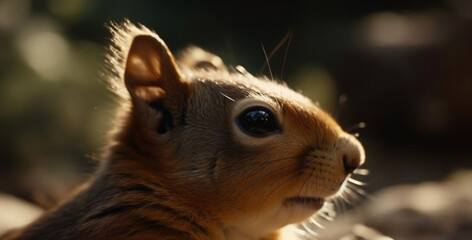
(348, 196)
(178, 166)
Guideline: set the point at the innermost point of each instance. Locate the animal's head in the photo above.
(250, 152)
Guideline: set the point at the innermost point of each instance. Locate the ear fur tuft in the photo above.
(140, 65)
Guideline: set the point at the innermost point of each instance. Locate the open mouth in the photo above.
(310, 202)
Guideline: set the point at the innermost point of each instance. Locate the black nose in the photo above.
(350, 153)
(351, 162)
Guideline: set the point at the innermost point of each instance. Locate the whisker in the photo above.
(361, 171)
(308, 185)
(226, 96)
(297, 173)
(304, 143)
(304, 182)
(267, 174)
(345, 204)
(313, 224)
(267, 60)
(356, 182)
(308, 229)
(319, 156)
(346, 198)
(309, 181)
(245, 168)
(285, 55)
(270, 173)
(350, 194)
(273, 182)
(358, 191)
(326, 216)
(301, 233)
(263, 164)
(276, 160)
(328, 212)
(336, 206)
(276, 48)
(316, 223)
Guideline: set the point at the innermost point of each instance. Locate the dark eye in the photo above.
(257, 121)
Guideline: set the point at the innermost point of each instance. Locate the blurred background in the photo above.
(403, 67)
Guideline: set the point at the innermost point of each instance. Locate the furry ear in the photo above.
(153, 80)
(151, 74)
(195, 58)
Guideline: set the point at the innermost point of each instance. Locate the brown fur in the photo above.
(178, 167)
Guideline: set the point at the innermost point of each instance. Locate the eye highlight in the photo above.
(258, 121)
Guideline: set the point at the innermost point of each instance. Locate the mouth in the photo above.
(306, 202)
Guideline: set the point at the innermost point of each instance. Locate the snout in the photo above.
(350, 152)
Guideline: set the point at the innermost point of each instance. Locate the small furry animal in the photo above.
(202, 151)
